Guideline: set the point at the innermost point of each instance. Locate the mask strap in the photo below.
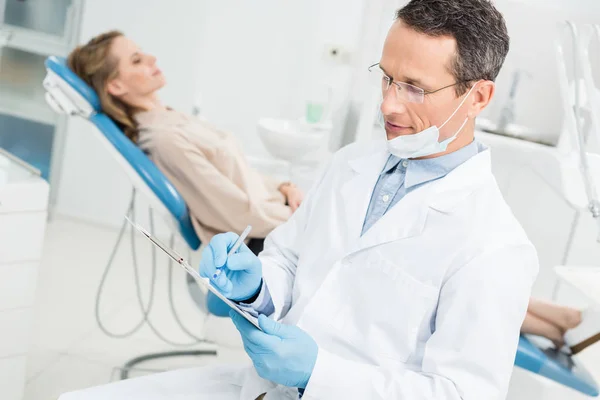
(459, 106)
(459, 129)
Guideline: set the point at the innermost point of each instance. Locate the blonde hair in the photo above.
(94, 64)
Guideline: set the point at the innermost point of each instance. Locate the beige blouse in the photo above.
(207, 166)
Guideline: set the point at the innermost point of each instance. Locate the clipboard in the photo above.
(205, 282)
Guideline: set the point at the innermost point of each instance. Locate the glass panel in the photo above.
(21, 89)
(30, 141)
(48, 16)
(26, 121)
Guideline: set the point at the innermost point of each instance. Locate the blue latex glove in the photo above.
(241, 274)
(283, 354)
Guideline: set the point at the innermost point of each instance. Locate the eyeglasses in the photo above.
(404, 91)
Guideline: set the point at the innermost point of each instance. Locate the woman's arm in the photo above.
(212, 198)
(293, 195)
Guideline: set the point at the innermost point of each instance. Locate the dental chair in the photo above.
(68, 94)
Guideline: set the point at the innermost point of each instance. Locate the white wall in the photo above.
(259, 59)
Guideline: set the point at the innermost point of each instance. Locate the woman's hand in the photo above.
(293, 195)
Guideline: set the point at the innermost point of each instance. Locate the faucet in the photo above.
(507, 114)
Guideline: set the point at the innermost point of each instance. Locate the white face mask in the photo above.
(424, 143)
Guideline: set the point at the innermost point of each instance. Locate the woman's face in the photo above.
(138, 76)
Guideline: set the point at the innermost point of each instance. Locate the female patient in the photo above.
(206, 165)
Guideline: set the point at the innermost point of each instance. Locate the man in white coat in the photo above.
(404, 274)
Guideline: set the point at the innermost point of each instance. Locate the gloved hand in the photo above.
(241, 274)
(283, 354)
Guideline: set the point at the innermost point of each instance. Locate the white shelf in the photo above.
(35, 42)
(27, 108)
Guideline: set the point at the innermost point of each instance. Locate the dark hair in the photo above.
(477, 26)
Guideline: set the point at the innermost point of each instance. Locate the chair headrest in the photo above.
(69, 90)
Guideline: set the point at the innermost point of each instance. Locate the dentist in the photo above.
(403, 274)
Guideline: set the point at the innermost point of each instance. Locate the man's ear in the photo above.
(116, 87)
(482, 95)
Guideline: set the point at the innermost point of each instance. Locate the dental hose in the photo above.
(145, 309)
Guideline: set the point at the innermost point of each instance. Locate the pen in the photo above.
(235, 247)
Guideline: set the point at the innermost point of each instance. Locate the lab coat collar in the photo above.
(450, 191)
(407, 218)
(373, 159)
(429, 169)
(356, 193)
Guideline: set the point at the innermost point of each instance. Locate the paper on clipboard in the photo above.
(201, 281)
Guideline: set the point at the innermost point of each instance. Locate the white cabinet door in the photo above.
(17, 285)
(12, 377)
(23, 197)
(21, 236)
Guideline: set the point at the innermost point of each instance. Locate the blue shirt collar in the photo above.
(430, 169)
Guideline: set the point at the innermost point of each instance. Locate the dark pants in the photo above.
(256, 245)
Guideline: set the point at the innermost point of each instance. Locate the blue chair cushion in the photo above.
(556, 366)
(216, 306)
(147, 170)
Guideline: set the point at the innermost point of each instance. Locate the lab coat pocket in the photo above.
(371, 309)
(407, 307)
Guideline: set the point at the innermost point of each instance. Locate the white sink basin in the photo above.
(289, 140)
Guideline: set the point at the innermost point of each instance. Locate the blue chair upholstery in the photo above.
(216, 306)
(556, 366)
(149, 173)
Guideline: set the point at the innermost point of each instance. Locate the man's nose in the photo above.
(391, 103)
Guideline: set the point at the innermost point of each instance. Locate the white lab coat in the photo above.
(426, 305)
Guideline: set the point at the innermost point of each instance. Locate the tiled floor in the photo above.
(69, 351)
